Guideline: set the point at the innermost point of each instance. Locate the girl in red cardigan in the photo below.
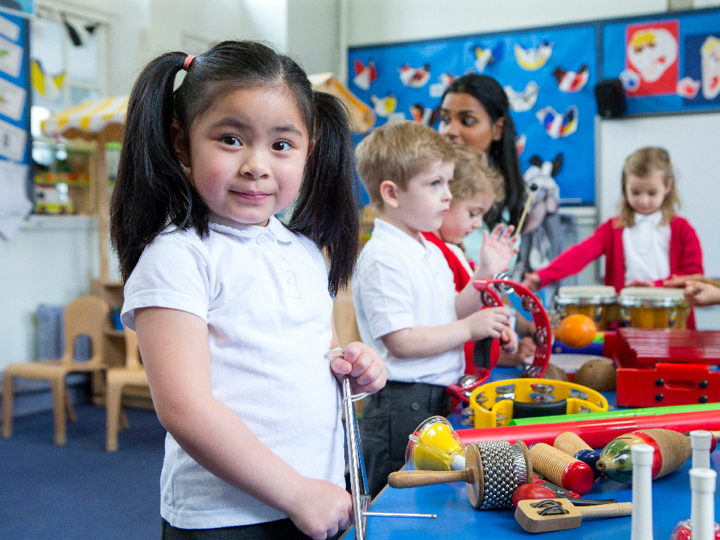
(646, 243)
(475, 188)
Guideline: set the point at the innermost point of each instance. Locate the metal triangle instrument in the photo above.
(358, 477)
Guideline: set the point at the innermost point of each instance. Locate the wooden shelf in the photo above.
(71, 179)
(114, 349)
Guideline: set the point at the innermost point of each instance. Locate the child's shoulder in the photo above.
(175, 238)
(397, 254)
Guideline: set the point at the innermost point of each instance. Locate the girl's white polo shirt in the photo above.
(263, 293)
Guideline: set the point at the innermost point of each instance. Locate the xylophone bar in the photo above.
(643, 347)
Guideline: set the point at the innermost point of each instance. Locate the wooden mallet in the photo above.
(533, 189)
(472, 475)
(559, 514)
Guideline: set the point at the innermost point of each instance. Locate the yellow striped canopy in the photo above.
(94, 119)
(104, 118)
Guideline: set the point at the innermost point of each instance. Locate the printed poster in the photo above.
(10, 57)
(651, 58)
(13, 141)
(12, 100)
(9, 29)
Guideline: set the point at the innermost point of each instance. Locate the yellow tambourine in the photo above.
(495, 404)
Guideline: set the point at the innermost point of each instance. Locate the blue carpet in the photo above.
(79, 491)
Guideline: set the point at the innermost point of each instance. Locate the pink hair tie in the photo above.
(188, 61)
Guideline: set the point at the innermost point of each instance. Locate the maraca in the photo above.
(494, 470)
(673, 448)
(576, 331)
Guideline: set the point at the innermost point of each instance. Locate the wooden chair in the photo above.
(117, 378)
(87, 315)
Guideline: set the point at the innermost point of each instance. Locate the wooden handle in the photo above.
(606, 510)
(533, 515)
(410, 479)
(533, 189)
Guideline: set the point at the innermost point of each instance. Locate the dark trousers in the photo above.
(271, 530)
(389, 416)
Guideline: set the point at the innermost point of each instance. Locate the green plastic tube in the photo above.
(618, 413)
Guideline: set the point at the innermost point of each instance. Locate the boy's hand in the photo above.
(320, 508)
(489, 322)
(496, 251)
(701, 294)
(365, 367)
(509, 340)
(531, 281)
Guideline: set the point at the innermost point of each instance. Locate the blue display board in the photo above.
(14, 96)
(667, 63)
(549, 75)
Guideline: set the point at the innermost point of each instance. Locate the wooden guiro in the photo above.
(561, 468)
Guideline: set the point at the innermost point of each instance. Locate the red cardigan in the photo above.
(685, 255)
(461, 278)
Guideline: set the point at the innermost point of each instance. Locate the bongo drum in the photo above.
(594, 301)
(654, 307)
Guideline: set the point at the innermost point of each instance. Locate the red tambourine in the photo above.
(490, 291)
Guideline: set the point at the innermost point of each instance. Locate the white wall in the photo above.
(383, 21)
(313, 36)
(49, 261)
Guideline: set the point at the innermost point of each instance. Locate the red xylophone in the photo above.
(665, 367)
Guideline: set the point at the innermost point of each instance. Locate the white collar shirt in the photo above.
(646, 247)
(403, 282)
(263, 293)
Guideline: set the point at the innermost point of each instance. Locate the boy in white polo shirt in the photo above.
(404, 294)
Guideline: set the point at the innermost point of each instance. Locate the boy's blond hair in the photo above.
(398, 151)
(474, 174)
(642, 163)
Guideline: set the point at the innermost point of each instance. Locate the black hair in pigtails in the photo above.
(153, 191)
(151, 188)
(326, 209)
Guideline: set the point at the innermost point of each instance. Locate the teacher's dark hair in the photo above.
(502, 153)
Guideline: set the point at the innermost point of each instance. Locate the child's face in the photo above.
(464, 121)
(646, 194)
(464, 217)
(422, 206)
(247, 154)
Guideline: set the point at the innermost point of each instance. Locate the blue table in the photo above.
(458, 520)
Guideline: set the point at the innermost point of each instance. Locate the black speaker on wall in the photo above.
(610, 97)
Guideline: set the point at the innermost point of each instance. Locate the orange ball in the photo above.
(576, 331)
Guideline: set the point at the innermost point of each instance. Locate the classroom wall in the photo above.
(143, 29)
(53, 261)
(382, 21)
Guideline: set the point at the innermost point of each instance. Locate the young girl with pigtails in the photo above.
(232, 308)
(647, 244)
